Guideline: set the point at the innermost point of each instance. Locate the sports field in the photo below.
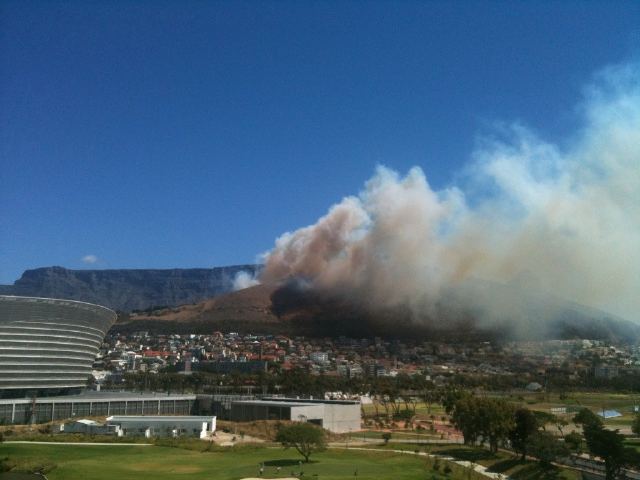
(88, 462)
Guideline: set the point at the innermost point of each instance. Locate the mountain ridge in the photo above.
(128, 289)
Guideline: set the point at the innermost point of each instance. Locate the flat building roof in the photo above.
(159, 418)
(101, 397)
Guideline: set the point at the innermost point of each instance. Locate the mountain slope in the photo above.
(294, 311)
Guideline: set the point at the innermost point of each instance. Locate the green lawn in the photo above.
(594, 401)
(158, 463)
(506, 463)
(633, 443)
(502, 462)
(422, 410)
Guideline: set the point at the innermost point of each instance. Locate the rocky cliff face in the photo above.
(127, 290)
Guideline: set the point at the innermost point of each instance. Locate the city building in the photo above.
(47, 346)
(319, 357)
(93, 404)
(339, 416)
(606, 371)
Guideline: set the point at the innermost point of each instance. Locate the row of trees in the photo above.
(300, 381)
(497, 422)
(297, 381)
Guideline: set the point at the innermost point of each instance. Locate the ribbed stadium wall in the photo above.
(48, 345)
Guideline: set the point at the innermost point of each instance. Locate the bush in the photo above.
(45, 429)
(26, 466)
(4, 464)
(403, 415)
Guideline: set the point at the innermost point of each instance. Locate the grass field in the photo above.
(158, 463)
(421, 410)
(596, 401)
(623, 403)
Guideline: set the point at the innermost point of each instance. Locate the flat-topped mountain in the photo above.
(201, 300)
(127, 290)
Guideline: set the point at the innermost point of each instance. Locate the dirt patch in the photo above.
(229, 439)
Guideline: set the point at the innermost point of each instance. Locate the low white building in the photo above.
(162, 426)
(88, 427)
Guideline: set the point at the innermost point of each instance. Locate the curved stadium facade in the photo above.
(47, 346)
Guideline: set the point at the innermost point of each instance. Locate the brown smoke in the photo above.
(563, 221)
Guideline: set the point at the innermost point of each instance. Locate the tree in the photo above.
(526, 425)
(430, 396)
(465, 416)
(543, 418)
(450, 397)
(573, 440)
(606, 444)
(482, 418)
(304, 437)
(586, 417)
(635, 426)
(560, 424)
(546, 447)
(498, 416)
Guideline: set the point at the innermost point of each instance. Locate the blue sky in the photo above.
(192, 134)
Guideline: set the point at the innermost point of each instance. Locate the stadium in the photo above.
(47, 346)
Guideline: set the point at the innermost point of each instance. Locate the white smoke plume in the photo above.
(243, 280)
(563, 219)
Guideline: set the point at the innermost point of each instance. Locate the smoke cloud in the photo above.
(244, 279)
(89, 259)
(562, 219)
